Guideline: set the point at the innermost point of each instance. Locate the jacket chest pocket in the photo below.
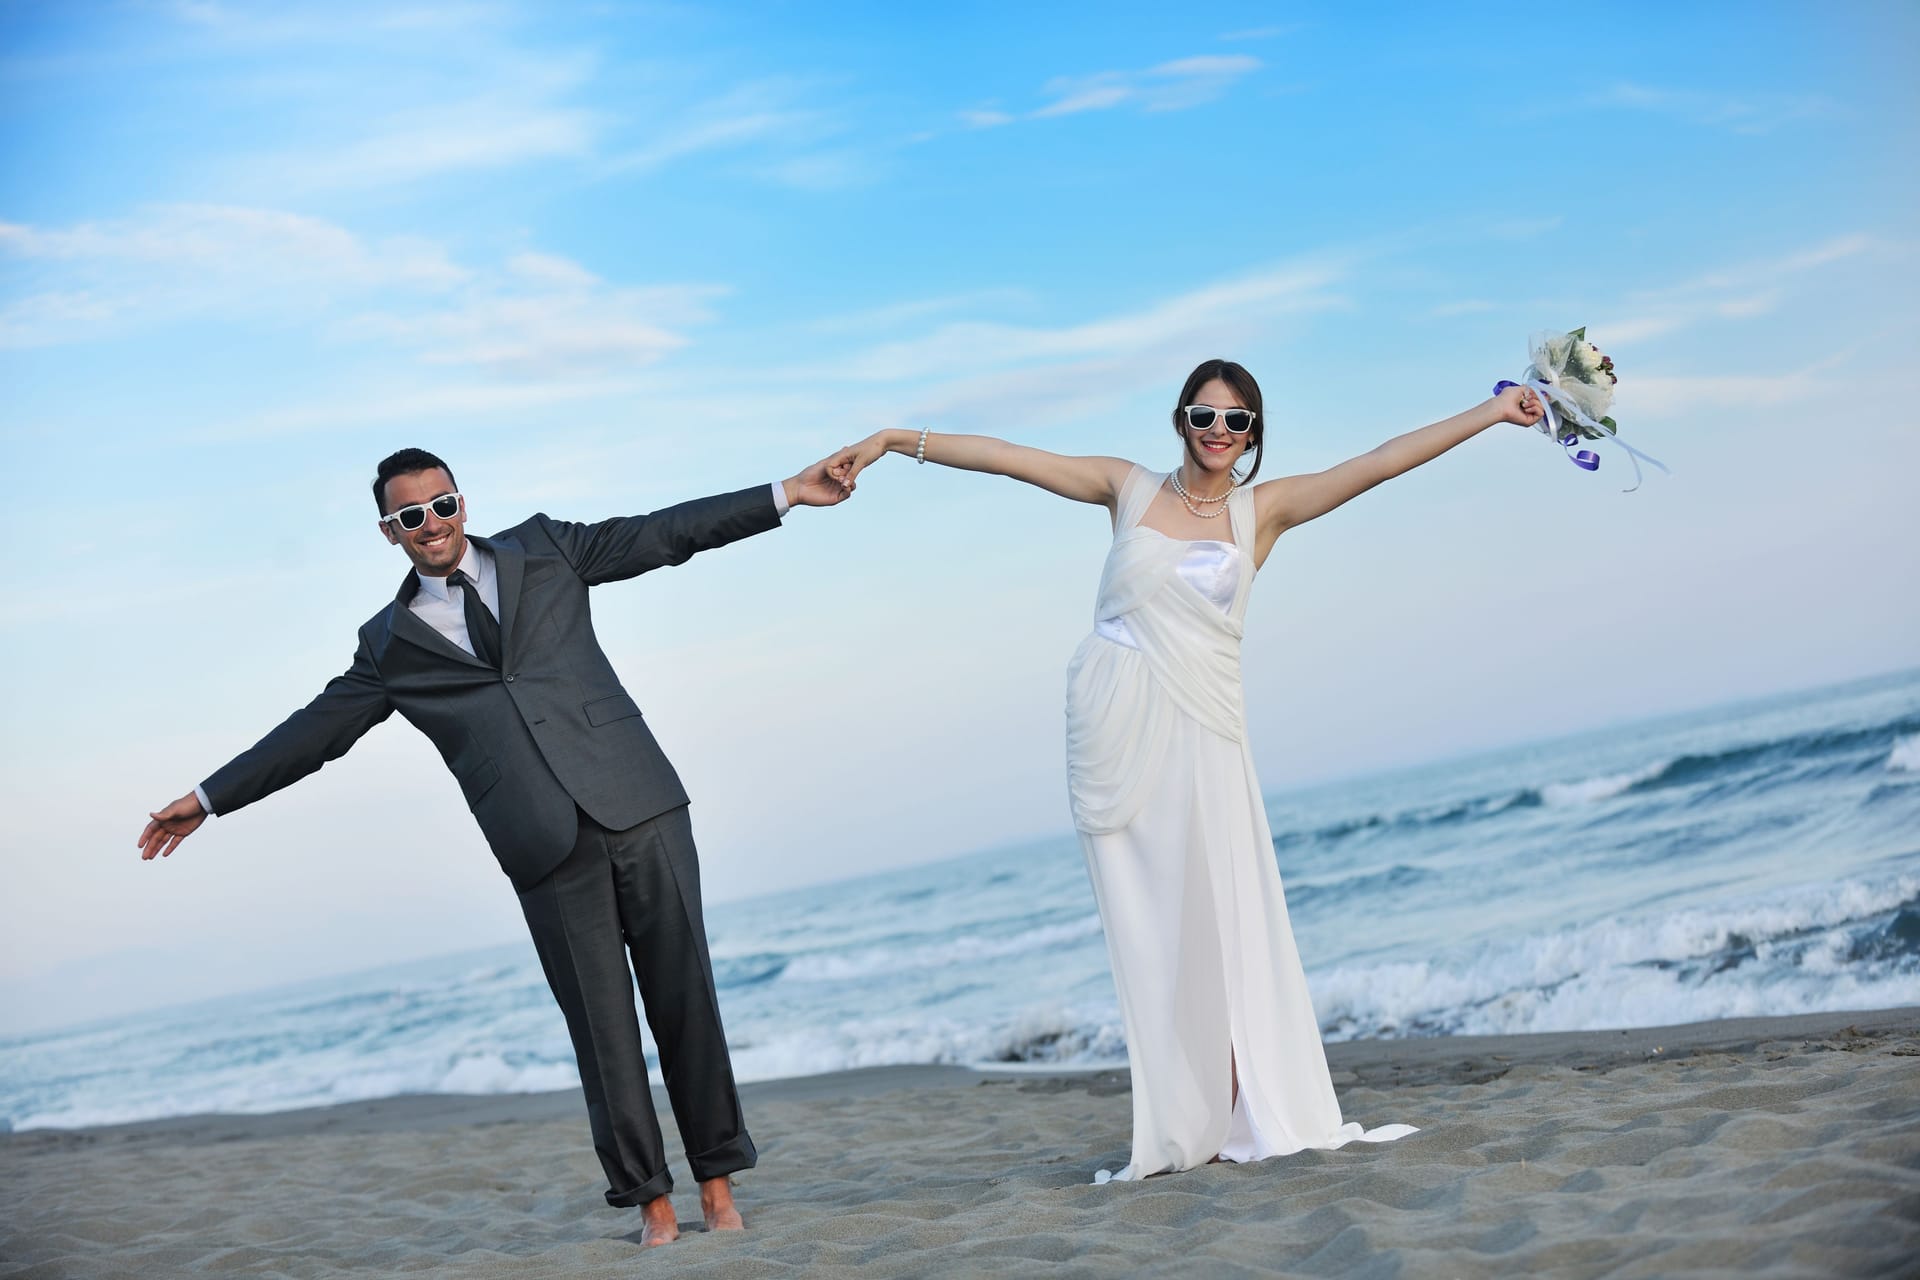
(606, 710)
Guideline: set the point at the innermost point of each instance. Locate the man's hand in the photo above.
(170, 826)
(823, 484)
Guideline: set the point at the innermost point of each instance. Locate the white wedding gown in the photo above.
(1177, 844)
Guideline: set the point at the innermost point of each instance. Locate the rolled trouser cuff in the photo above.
(652, 1189)
(731, 1156)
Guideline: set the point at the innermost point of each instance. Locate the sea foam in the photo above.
(1800, 951)
(1604, 787)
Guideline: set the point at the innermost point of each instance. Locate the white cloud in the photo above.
(545, 317)
(1085, 93)
(717, 133)
(40, 319)
(551, 271)
(232, 239)
(1654, 395)
(537, 316)
(1739, 292)
(985, 118)
(457, 138)
(770, 121)
(1750, 114)
(896, 314)
(549, 323)
(263, 24)
(462, 93)
(976, 345)
(831, 170)
(1768, 270)
(467, 110)
(376, 96)
(1169, 86)
(1647, 395)
(172, 260)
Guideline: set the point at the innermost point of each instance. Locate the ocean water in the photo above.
(1755, 859)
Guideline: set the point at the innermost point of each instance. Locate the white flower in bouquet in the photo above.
(1594, 394)
(1576, 380)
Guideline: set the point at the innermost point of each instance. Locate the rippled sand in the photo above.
(1775, 1147)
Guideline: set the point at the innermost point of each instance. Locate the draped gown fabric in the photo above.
(1170, 819)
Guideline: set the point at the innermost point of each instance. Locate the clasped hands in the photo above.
(831, 480)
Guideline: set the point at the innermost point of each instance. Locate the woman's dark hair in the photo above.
(408, 461)
(1237, 377)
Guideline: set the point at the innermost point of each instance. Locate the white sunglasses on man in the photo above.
(446, 506)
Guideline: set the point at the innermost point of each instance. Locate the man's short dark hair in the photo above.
(404, 463)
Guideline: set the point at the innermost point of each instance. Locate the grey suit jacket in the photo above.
(549, 730)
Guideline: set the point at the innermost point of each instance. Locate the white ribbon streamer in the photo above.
(1557, 402)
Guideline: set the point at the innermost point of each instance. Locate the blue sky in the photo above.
(606, 257)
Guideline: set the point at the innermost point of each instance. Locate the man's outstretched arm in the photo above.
(352, 703)
(610, 550)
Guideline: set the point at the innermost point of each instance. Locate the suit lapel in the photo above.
(407, 625)
(509, 571)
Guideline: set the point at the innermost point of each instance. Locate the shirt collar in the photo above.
(472, 564)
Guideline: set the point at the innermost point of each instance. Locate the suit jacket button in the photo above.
(509, 679)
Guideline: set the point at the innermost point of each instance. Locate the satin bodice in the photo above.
(1210, 567)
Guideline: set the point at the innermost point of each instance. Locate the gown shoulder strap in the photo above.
(1240, 510)
(1136, 495)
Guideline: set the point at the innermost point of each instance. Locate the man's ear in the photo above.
(387, 529)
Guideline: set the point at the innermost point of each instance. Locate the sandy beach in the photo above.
(1764, 1147)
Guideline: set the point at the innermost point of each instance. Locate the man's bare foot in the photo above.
(716, 1205)
(661, 1226)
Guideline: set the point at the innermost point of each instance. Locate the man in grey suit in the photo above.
(489, 650)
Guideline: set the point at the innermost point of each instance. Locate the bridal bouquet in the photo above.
(1575, 383)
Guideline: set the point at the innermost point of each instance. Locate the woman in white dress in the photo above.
(1222, 1040)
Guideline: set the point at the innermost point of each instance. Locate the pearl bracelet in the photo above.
(920, 453)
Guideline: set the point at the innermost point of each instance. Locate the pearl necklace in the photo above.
(1188, 499)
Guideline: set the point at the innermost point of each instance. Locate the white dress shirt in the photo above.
(442, 606)
(439, 606)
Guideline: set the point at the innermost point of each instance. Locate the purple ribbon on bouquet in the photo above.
(1585, 459)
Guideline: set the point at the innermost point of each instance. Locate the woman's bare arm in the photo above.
(1293, 500)
(1083, 479)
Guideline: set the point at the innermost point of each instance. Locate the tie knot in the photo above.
(459, 578)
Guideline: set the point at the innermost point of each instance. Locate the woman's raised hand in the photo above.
(1520, 406)
(857, 458)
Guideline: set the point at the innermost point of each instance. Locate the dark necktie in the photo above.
(483, 630)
